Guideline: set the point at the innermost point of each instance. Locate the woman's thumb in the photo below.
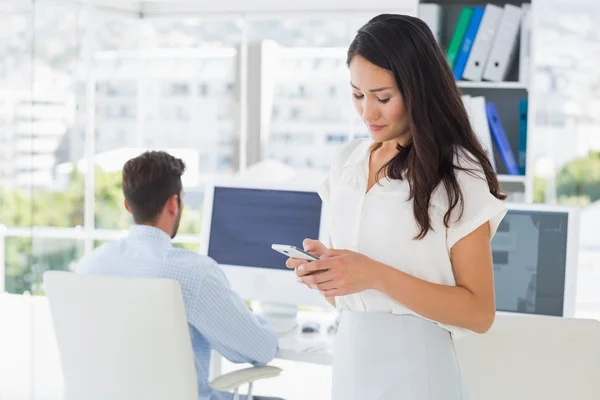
(310, 244)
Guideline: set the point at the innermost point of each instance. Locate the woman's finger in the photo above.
(313, 266)
(329, 285)
(314, 247)
(316, 278)
(293, 263)
(330, 293)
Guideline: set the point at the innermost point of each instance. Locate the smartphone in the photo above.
(294, 252)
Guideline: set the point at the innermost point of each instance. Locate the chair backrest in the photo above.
(121, 338)
(533, 357)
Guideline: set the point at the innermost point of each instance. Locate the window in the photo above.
(126, 111)
(332, 91)
(187, 105)
(310, 82)
(203, 90)
(27, 259)
(566, 101)
(294, 114)
(336, 138)
(224, 161)
(177, 89)
(40, 48)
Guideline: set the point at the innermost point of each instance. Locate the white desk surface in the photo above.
(557, 356)
(315, 348)
(553, 356)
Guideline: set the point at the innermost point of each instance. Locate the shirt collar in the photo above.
(361, 153)
(150, 233)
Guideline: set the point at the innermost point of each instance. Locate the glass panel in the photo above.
(59, 36)
(27, 259)
(38, 109)
(309, 31)
(307, 87)
(191, 33)
(116, 105)
(567, 145)
(177, 93)
(16, 82)
(195, 247)
(98, 243)
(190, 104)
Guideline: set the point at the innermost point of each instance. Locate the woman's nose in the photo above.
(370, 111)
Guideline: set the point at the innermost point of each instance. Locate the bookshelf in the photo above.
(506, 94)
(491, 85)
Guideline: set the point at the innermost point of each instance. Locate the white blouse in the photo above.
(380, 224)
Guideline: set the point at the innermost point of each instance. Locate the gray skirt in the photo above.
(381, 356)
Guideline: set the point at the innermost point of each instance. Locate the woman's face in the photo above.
(378, 101)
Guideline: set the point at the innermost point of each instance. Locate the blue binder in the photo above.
(467, 43)
(522, 135)
(500, 138)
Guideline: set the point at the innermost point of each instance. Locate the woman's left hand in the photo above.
(339, 272)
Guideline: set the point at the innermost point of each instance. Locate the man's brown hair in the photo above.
(148, 181)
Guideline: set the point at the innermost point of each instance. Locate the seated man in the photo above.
(217, 316)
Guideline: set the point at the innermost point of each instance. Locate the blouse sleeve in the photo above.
(323, 190)
(340, 157)
(328, 185)
(479, 205)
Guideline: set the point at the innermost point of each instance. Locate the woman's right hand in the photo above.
(314, 247)
(311, 246)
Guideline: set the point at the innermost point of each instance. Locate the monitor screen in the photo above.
(246, 222)
(530, 259)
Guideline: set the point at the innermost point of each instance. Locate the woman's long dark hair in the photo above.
(438, 121)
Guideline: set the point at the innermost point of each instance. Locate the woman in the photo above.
(414, 209)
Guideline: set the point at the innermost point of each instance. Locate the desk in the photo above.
(314, 348)
(521, 357)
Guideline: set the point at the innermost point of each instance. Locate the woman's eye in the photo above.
(358, 96)
(383, 100)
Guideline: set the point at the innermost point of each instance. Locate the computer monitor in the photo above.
(535, 260)
(240, 223)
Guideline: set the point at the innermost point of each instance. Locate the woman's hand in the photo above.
(318, 249)
(339, 273)
(311, 246)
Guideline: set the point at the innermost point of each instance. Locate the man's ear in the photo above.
(173, 204)
(127, 206)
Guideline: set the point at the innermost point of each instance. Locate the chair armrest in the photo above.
(235, 379)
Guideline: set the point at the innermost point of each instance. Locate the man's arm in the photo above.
(223, 318)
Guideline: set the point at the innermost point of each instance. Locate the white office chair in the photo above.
(525, 357)
(127, 338)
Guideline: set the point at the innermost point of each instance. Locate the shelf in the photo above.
(512, 179)
(491, 85)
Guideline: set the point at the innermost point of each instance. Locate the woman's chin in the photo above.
(386, 136)
(378, 136)
(381, 136)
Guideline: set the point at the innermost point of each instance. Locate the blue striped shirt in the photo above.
(217, 316)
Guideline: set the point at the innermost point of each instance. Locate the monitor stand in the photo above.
(283, 318)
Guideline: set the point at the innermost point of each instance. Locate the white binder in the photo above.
(483, 43)
(504, 45)
(481, 126)
(431, 14)
(525, 48)
(475, 106)
(466, 99)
